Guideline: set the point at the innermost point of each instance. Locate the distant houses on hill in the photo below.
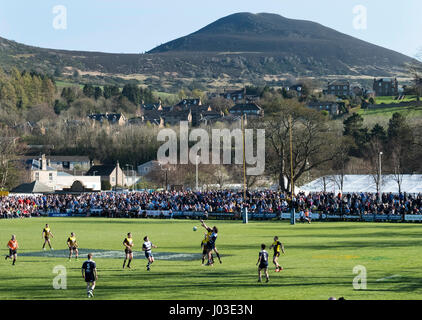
(191, 110)
(196, 113)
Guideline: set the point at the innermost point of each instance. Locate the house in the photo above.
(235, 95)
(63, 163)
(32, 187)
(112, 174)
(296, 87)
(151, 106)
(250, 109)
(147, 167)
(45, 174)
(175, 116)
(338, 88)
(332, 107)
(108, 118)
(197, 114)
(153, 117)
(386, 87)
(210, 117)
(186, 103)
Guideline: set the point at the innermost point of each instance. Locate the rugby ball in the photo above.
(195, 228)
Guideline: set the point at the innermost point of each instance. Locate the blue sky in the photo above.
(134, 26)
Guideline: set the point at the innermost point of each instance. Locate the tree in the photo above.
(89, 90)
(69, 95)
(340, 160)
(111, 91)
(98, 93)
(312, 142)
(353, 127)
(132, 93)
(378, 132)
(10, 149)
(401, 148)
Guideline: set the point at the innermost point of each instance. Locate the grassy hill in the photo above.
(240, 48)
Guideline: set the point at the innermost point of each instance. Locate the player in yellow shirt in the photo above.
(46, 234)
(73, 246)
(128, 243)
(204, 246)
(278, 247)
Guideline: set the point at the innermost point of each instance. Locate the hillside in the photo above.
(239, 47)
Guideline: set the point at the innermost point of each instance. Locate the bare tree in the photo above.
(313, 141)
(10, 150)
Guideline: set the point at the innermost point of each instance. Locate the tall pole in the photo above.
(292, 185)
(380, 178)
(197, 173)
(133, 177)
(244, 157)
(245, 210)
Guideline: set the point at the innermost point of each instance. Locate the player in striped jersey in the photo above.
(263, 263)
(147, 247)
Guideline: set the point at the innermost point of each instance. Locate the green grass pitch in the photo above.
(318, 263)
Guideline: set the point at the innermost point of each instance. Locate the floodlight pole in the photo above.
(292, 185)
(380, 178)
(244, 209)
(197, 189)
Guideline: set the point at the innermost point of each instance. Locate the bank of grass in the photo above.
(414, 113)
(318, 263)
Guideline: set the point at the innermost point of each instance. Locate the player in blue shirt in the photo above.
(89, 273)
(263, 263)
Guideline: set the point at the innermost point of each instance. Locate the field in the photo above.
(318, 263)
(390, 99)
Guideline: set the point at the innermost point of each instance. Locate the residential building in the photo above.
(250, 109)
(331, 107)
(41, 172)
(386, 87)
(108, 118)
(147, 167)
(186, 103)
(236, 95)
(175, 116)
(338, 88)
(110, 173)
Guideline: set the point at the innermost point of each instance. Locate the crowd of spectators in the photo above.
(116, 204)
(361, 203)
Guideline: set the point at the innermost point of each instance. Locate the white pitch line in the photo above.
(390, 277)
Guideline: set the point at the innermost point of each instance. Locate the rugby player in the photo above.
(263, 263)
(73, 246)
(147, 246)
(89, 273)
(278, 247)
(12, 245)
(212, 238)
(204, 248)
(46, 234)
(128, 243)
